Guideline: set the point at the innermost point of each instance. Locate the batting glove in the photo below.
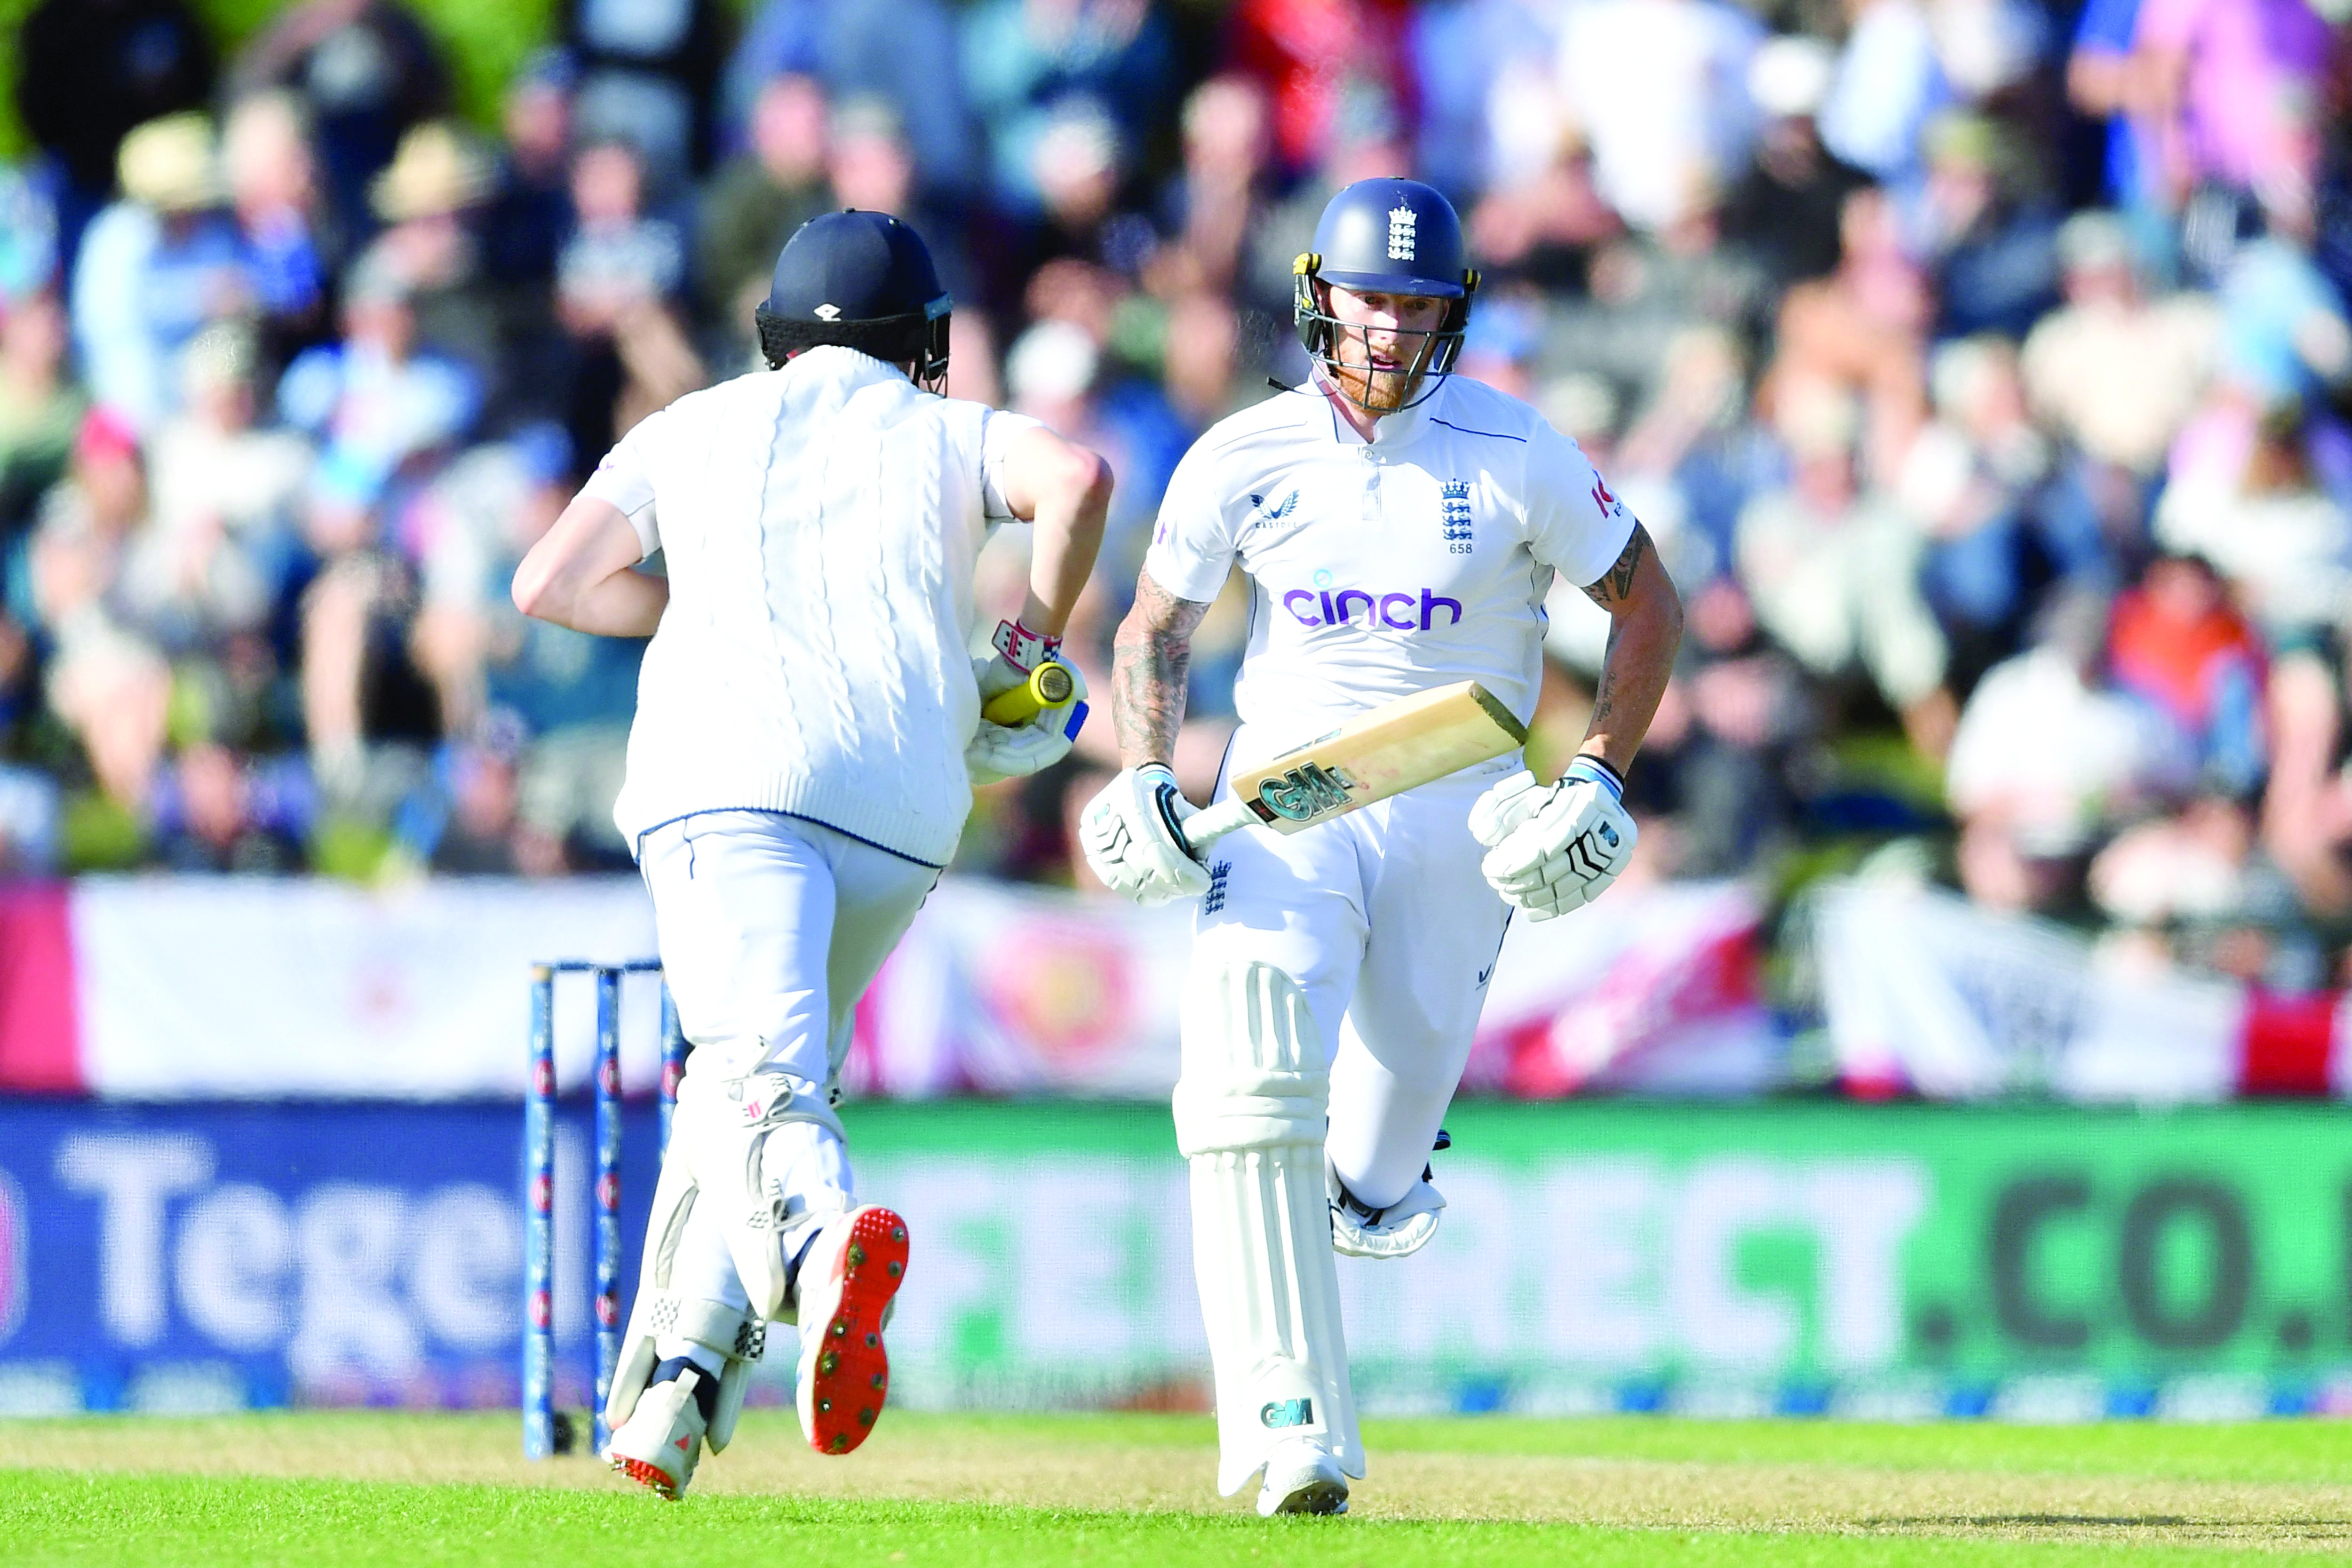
(1131, 836)
(999, 752)
(1556, 848)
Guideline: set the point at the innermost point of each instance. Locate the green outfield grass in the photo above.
(1025, 1492)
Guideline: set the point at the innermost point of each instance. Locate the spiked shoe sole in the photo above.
(845, 1373)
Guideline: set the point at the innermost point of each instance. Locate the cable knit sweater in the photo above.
(819, 524)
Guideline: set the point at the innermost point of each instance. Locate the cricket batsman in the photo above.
(808, 730)
(1400, 528)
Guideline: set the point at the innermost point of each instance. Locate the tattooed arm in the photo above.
(1646, 627)
(1149, 665)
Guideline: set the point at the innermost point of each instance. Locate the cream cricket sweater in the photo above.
(819, 523)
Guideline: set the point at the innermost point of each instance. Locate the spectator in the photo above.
(552, 703)
(613, 283)
(1991, 238)
(2105, 83)
(429, 199)
(1863, 328)
(220, 481)
(2230, 84)
(1833, 570)
(871, 166)
(1889, 85)
(90, 70)
(107, 679)
(157, 264)
(648, 72)
(2047, 759)
(2284, 544)
(2175, 643)
(367, 71)
(1784, 211)
(273, 192)
(1055, 372)
(2114, 372)
(757, 200)
(1209, 206)
(39, 409)
(1021, 60)
(1666, 137)
(1201, 360)
(374, 402)
(530, 208)
(216, 809)
(1324, 65)
(901, 54)
(1978, 484)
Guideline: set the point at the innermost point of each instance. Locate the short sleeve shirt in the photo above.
(1385, 569)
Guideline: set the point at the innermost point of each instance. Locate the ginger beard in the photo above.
(1381, 347)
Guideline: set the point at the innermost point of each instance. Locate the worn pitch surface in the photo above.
(320, 1488)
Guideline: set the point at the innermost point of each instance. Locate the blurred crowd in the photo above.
(1981, 367)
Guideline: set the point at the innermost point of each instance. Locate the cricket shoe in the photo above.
(661, 1442)
(846, 1279)
(1300, 1478)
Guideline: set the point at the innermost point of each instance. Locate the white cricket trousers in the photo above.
(1384, 920)
(770, 927)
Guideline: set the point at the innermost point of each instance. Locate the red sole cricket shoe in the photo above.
(651, 1476)
(852, 1271)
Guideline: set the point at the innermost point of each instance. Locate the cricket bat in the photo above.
(1393, 749)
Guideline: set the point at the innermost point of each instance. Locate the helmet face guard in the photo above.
(1321, 333)
(917, 339)
(1399, 237)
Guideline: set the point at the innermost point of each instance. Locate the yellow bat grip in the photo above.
(1048, 686)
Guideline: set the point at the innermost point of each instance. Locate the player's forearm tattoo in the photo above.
(1604, 694)
(1616, 584)
(1149, 662)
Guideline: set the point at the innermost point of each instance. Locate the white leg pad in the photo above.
(722, 1125)
(1250, 1106)
(658, 1311)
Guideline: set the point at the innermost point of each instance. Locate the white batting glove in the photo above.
(999, 752)
(1550, 850)
(1129, 834)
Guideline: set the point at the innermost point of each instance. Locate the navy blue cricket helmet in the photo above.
(861, 280)
(1386, 237)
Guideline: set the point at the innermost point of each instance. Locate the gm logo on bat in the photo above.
(1305, 793)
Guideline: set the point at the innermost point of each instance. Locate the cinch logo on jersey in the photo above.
(1279, 1412)
(1398, 612)
(1454, 516)
(1307, 791)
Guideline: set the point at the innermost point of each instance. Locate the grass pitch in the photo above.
(316, 1489)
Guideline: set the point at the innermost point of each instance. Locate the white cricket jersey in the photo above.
(819, 524)
(1384, 568)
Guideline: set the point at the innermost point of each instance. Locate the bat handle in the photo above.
(1205, 826)
(1048, 686)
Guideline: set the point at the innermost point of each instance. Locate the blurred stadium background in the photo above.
(1965, 1041)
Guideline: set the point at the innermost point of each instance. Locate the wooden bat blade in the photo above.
(1393, 749)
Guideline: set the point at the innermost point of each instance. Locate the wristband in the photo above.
(1599, 773)
(1024, 649)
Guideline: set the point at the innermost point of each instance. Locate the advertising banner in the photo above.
(235, 987)
(1930, 995)
(1866, 1260)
